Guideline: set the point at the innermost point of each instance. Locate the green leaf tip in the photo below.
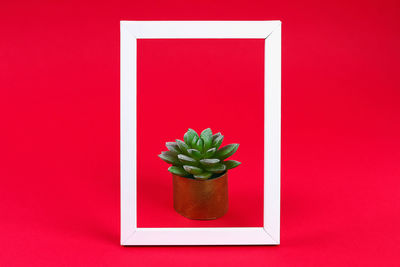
(186, 159)
(210, 153)
(226, 151)
(217, 141)
(209, 162)
(192, 169)
(216, 168)
(206, 135)
(189, 136)
(230, 164)
(216, 135)
(173, 147)
(194, 153)
(194, 141)
(169, 157)
(178, 171)
(199, 145)
(182, 145)
(203, 176)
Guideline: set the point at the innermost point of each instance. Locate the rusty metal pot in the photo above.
(201, 199)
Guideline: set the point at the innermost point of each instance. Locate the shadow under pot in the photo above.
(201, 199)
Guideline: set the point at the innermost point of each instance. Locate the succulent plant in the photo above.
(199, 157)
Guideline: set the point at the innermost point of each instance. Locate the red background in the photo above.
(59, 104)
(199, 84)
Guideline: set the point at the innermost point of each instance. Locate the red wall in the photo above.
(59, 105)
(200, 83)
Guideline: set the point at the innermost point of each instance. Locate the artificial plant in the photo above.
(199, 157)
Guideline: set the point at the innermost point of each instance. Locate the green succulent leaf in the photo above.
(192, 169)
(194, 141)
(216, 135)
(173, 147)
(178, 171)
(230, 164)
(216, 168)
(206, 135)
(182, 146)
(169, 157)
(194, 153)
(210, 153)
(218, 141)
(189, 136)
(199, 145)
(226, 151)
(204, 175)
(187, 160)
(209, 162)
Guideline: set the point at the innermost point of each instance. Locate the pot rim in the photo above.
(203, 180)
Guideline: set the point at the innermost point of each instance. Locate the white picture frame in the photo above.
(269, 234)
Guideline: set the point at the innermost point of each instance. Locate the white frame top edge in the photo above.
(200, 29)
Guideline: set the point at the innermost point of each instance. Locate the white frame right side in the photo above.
(269, 234)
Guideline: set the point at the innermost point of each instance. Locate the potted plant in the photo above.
(200, 174)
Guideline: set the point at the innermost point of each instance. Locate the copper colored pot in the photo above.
(201, 199)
